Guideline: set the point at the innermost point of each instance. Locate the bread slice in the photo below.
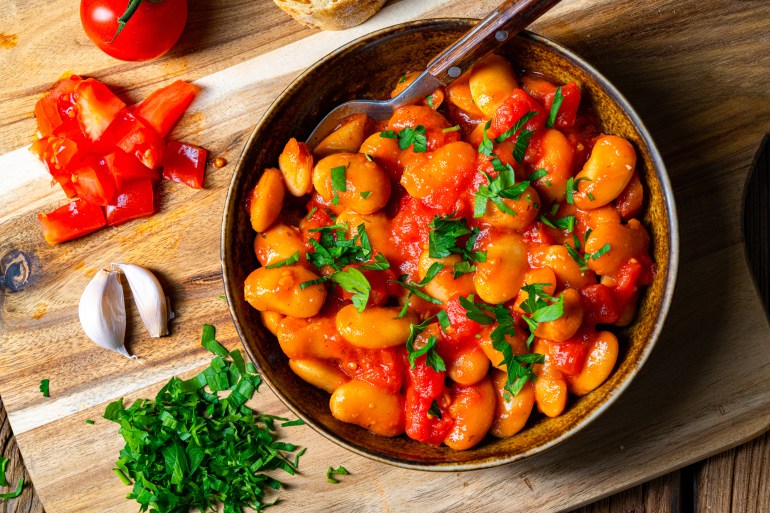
(330, 14)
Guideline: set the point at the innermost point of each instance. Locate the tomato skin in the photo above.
(134, 200)
(97, 107)
(152, 31)
(94, 182)
(185, 163)
(599, 304)
(569, 356)
(383, 368)
(55, 107)
(518, 104)
(71, 221)
(127, 168)
(163, 108)
(426, 385)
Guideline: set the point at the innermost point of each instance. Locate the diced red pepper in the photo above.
(516, 106)
(71, 221)
(97, 107)
(185, 163)
(126, 168)
(94, 182)
(569, 356)
(134, 200)
(426, 385)
(163, 108)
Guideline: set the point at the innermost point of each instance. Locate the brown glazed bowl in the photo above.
(368, 68)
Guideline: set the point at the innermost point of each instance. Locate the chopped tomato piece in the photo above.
(460, 327)
(126, 168)
(134, 200)
(163, 108)
(185, 163)
(515, 107)
(383, 368)
(71, 221)
(425, 386)
(53, 108)
(569, 356)
(97, 107)
(599, 304)
(144, 144)
(94, 183)
(569, 105)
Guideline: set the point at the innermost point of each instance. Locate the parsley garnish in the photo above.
(366, 194)
(486, 146)
(15, 493)
(502, 186)
(380, 264)
(443, 319)
(522, 143)
(557, 98)
(590, 196)
(432, 359)
(516, 127)
(388, 134)
(563, 223)
(311, 212)
(334, 250)
(461, 268)
(339, 178)
(368, 157)
(223, 298)
(188, 448)
(604, 249)
(414, 137)
(429, 100)
(89, 421)
(538, 306)
(572, 187)
(331, 471)
(455, 128)
(3, 464)
(285, 262)
(442, 239)
(474, 311)
(414, 288)
(44, 387)
(536, 175)
(353, 281)
(434, 411)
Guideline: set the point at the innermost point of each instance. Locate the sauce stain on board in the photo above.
(8, 41)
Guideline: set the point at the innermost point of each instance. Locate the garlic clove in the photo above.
(102, 312)
(149, 297)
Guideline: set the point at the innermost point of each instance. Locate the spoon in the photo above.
(499, 26)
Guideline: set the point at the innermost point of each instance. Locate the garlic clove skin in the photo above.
(149, 297)
(102, 312)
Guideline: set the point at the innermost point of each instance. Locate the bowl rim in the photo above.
(666, 295)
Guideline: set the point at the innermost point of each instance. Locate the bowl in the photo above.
(367, 68)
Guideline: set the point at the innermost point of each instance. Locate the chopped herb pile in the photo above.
(191, 449)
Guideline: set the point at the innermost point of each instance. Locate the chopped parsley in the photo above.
(463, 267)
(331, 471)
(414, 288)
(366, 194)
(429, 100)
(3, 464)
(15, 493)
(339, 178)
(539, 308)
(189, 448)
(590, 196)
(557, 99)
(442, 239)
(563, 223)
(380, 264)
(455, 128)
(293, 259)
(352, 280)
(388, 134)
(475, 311)
(516, 127)
(522, 143)
(44, 387)
(432, 359)
(502, 186)
(582, 261)
(536, 175)
(407, 137)
(334, 250)
(486, 146)
(434, 411)
(89, 421)
(443, 319)
(368, 157)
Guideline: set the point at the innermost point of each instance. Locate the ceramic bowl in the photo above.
(367, 68)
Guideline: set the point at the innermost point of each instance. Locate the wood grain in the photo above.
(699, 98)
(28, 501)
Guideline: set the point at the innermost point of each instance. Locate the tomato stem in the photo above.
(133, 5)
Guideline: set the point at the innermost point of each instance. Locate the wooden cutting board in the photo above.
(695, 71)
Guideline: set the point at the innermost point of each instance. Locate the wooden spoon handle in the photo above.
(503, 23)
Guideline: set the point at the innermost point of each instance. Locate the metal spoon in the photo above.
(503, 23)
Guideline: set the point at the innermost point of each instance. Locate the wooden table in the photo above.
(731, 36)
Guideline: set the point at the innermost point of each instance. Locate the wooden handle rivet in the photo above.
(501, 35)
(454, 72)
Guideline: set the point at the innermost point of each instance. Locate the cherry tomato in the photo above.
(150, 28)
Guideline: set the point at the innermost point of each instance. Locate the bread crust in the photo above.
(330, 14)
